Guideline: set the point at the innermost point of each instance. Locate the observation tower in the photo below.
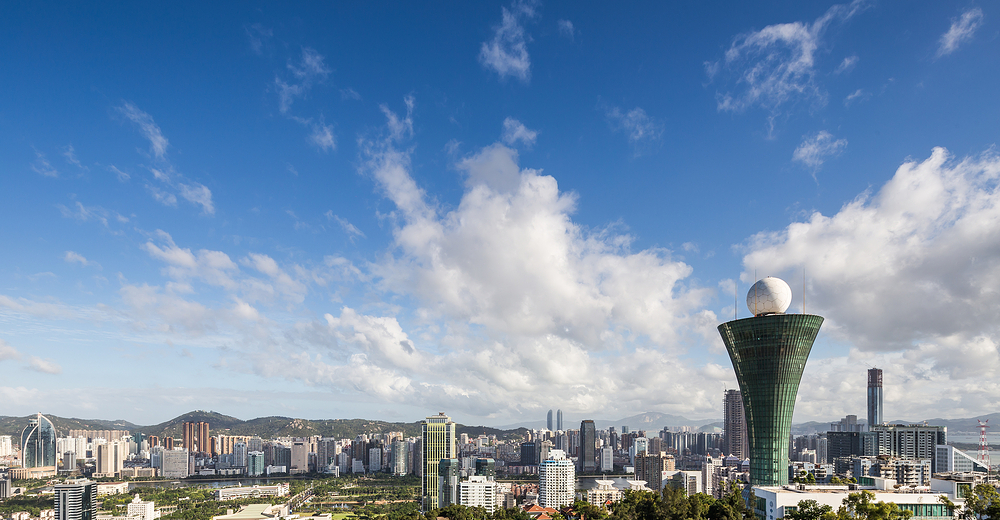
(769, 352)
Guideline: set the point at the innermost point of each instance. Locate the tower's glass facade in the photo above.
(38, 443)
(874, 397)
(769, 353)
(438, 442)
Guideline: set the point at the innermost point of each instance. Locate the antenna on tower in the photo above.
(984, 448)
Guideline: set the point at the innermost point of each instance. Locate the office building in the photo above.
(909, 441)
(607, 462)
(140, 510)
(649, 467)
(447, 482)
(400, 458)
(548, 421)
(111, 458)
(559, 421)
(735, 436)
(175, 464)
(875, 397)
(769, 352)
(255, 463)
(437, 442)
(486, 468)
(76, 500)
(38, 444)
(556, 481)
(478, 492)
(843, 444)
(847, 424)
(588, 443)
(949, 459)
(529, 454)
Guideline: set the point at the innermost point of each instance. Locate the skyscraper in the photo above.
(438, 442)
(735, 442)
(38, 443)
(548, 421)
(588, 442)
(447, 482)
(874, 397)
(195, 436)
(556, 481)
(769, 352)
(76, 500)
(559, 421)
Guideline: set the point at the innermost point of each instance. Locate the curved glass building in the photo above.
(769, 352)
(38, 443)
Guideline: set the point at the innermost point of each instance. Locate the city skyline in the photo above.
(495, 209)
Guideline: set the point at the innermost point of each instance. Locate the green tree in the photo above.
(811, 510)
(862, 506)
(982, 504)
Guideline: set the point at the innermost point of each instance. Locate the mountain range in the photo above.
(271, 427)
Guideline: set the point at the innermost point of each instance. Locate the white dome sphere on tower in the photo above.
(769, 296)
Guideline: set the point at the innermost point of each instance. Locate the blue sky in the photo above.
(492, 209)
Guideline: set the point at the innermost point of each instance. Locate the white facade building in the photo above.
(140, 510)
(478, 492)
(174, 463)
(556, 481)
(607, 460)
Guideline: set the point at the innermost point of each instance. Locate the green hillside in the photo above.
(15, 425)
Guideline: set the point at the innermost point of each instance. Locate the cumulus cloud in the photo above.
(776, 66)
(199, 194)
(514, 131)
(815, 149)
(157, 142)
(507, 52)
(961, 31)
(8, 352)
(72, 256)
(913, 264)
(212, 267)
(45, 366)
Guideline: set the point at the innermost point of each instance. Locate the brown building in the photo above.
(650, 468)
(195, 437)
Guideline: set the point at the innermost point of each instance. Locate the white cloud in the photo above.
(285, 284)
(72, 256)
(122, 176)
(258, 36)
(8, 352)
(310, 67)
(88, 213)
(45, 366)
(856, 96)
(514, 131)
(566, 29)
(212, 267)
(70, 154)
(494, 166)
(322, 137)
(349, 93)
(351, 230)
(199, 194)
(400, 127)
(167, 199)
(961, 31)
(507, 53)
(157, 142)
(641, 129)
(847, 65)
(42, 167)
(817, 148)
(776, 65)
(913, 264)
(287, 94)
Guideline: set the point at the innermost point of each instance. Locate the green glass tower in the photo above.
(769, 352)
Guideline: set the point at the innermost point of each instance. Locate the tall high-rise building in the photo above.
(486, 468)
(559, 421)
(548, 421)
(38, 443)
(437, 442)
(76, 500)
(556, 481)
(195, 437)
(447, 482)
(588, 443)
(875, 397)
(769, 352)
(735, 442)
